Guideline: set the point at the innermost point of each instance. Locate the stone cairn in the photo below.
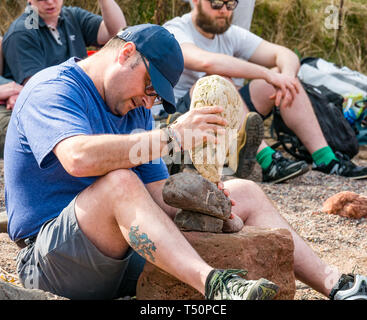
(203, 207)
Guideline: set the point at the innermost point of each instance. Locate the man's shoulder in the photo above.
(22, 24)
(62, 74)
(179, 21)
(237, 33)
(76, 12)
(71, 10)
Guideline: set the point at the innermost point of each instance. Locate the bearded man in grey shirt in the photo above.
(212, 45)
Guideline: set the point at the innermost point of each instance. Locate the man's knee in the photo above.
(243, 187)
(123, 182)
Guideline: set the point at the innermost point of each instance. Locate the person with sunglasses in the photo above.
(242, 17)
(212, 45)
(84, 174)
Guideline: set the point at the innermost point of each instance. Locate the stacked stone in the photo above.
(203, 207)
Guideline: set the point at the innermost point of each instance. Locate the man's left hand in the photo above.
(10, 103)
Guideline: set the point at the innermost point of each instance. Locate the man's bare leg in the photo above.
(300, 117)
(117, 210)
(256, 209)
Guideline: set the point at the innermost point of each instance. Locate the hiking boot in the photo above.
(167, 119)
(248, 140)
(343, 167)
(282, 169)
(350, 287)
(228, 285)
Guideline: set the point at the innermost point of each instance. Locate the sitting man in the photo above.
(49, 33)
(211, 45)
(242, 17)
(85, 201)
(9, 91)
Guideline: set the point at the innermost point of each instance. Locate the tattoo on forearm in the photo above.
(141, 243)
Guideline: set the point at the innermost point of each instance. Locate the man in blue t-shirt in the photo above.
(84, 179)
(84, 174)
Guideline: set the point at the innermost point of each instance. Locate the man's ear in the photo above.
(127, 51)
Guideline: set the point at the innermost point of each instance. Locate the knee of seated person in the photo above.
(246, 186)
(123, 181)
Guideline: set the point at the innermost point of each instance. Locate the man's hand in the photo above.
(226, 193)
(287, 88)
(9, 89)
(199, 125)
(10, 103)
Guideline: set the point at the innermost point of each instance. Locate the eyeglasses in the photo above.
(218, 4)
(149, 89)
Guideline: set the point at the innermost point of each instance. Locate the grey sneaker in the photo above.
(350, 287)
(228, 285)
(248, 141)
(343, 167)
(282, 169)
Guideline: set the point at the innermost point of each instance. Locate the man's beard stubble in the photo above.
(209, 25)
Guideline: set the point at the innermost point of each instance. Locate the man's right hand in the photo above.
(287, 88)
(200, 125)
(9, 89)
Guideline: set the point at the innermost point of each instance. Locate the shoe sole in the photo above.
(358, 178)
(351, 178)
(354, 292)
(292, 175)
(251, 136)
(263, 290)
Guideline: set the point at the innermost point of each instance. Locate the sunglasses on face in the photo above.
(218, 4)
(149, 89)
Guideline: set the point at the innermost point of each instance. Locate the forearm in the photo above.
(232, 67)
(287, 62)
(96, 155)
(113, 16)
(1, 63)
(1, 56)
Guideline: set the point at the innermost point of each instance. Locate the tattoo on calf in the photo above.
(141, 243)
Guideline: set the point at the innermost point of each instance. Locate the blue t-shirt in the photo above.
(57, 103)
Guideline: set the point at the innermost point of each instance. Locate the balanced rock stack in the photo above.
(210, 158)
(203, 207)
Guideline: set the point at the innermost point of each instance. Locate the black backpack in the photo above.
(328, 107)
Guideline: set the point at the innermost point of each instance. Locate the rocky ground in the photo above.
(341, 242)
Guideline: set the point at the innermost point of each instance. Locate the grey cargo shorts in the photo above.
(63, 261)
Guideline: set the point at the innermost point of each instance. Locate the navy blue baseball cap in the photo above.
(165, 58)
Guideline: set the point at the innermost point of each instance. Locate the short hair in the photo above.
(114, 43)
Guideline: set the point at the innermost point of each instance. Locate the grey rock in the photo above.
(194, 221)
(233, 225)
(11, 292)
(191, 192)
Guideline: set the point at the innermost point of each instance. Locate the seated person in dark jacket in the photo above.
(9, 91)
(48, 33)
